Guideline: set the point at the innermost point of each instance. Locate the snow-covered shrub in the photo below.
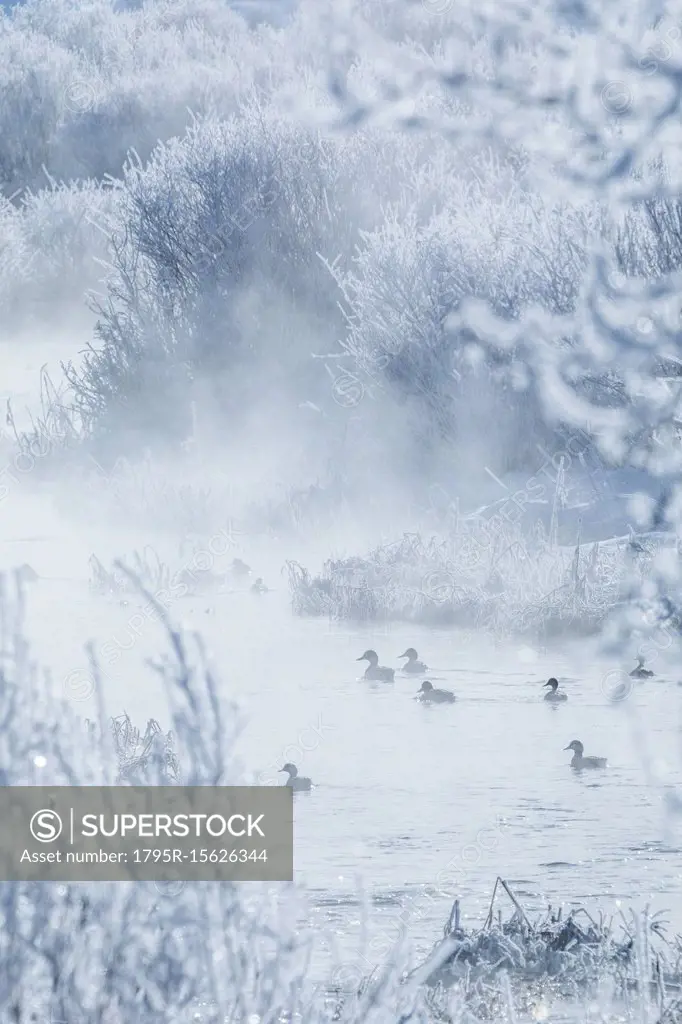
(496, 578)
(508, 248)
(34, 75)
(82, 84)
(650, 238)
(51, 247)
(132, 951)
(216, 277)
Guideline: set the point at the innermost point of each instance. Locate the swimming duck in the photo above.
(295, 781)
(578, 761)
(412, 665)
(555, 693)
(640, 672)
(428, 695)
(259, 587)
(374, 669)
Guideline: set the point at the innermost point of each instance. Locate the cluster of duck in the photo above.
(429, 694)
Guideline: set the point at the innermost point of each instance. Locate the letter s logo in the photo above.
(46, 826)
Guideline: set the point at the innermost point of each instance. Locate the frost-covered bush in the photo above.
(234, 245)
(494, 577)
(51, 247)
(649, 241)
(132, 951)
(34, 75)
(485, 241)
(217, 289)
(568, 949)
(83, 83)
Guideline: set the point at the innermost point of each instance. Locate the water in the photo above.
(418, 805)
(413, 806)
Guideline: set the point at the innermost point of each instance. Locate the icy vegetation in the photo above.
(391, 288)
(473, 580)
(567, 954)
(138, 951)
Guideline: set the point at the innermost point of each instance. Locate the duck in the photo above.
(555, 693)
(578, 761)
(374, 670)
(428, 695)
(412, 665)
(258, 587)
(640, 672)
(295, 781)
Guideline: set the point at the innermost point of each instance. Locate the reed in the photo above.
(507, 581)
(552, 957)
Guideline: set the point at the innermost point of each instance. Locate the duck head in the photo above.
(576, 746)
(409, 653)
(426, 687)
(290, 769)
(553, 683)
(371, 656)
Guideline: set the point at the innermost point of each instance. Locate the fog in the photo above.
(334, 328)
